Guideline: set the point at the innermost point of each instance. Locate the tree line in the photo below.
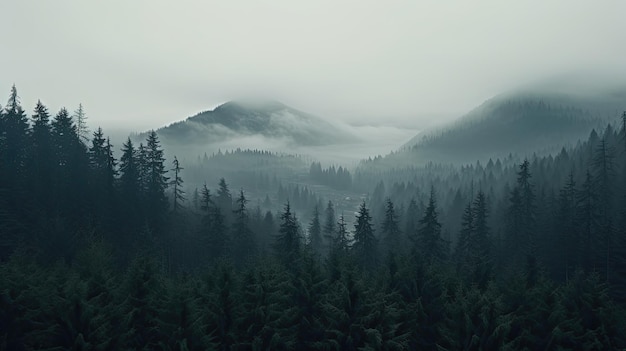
(99, 253)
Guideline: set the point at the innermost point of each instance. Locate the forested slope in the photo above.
(106, 253)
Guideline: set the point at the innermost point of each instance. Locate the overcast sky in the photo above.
(143, 64)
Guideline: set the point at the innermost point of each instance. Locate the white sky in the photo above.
(143, 64)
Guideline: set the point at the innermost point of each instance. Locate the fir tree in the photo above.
(330, 223)
(287, 245)
(315, 233)
(365, 243)
(392, 237)
(14, 143)
(243, 241)
(42, 154)
(80, 118)
(430, 244)
(176, 184)
(156, 181)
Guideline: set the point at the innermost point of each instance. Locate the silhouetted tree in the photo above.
(430, 244)
(315, 233)
(365, 243)
(178, 195)
(287, 245)
(392, 237)
(243, 241)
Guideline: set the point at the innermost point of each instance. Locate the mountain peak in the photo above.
(256, 105)
(261, 117)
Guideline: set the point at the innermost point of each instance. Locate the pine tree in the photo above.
(80, 118)
(287, 245)
(522, 218)
(243, 241)
(224, 199)
(330, 223)
(156, 182)
(392, 237)
(315, 233)
(42, 155)
(103, 174)
(567, 231)
(603, 166)
(587, 219)
(365, 243)
(463, 247)
(342, 241)
(14, 144)
(71, 166)
(481, 242)
(176, 184)
(411, 219)
(430, 244)
(213, 229)
(129, 173)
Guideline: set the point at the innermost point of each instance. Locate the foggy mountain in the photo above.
(522, 122)
(270, 120)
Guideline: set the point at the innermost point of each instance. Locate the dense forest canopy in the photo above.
(155, 251)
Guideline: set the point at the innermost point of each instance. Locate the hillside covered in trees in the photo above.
(519, 123)
(99, 252)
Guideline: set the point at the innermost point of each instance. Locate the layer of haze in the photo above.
(143, 64)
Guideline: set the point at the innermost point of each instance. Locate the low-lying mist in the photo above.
(372, 141)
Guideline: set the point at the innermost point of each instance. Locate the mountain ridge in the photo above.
(267, 118)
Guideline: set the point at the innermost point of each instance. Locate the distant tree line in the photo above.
(337, 178)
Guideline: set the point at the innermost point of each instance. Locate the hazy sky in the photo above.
(144, 64)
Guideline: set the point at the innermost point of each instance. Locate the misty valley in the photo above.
(257, 226)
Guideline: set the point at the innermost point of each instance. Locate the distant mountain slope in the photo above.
(269, 119)
(520, 123)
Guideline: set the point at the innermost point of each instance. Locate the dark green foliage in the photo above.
(178, 194)
(428, 242)
(391, 235)
(316, 241)
(243, 241)
(330, 223)
(288, 241)
(90, 259)
(365, 246)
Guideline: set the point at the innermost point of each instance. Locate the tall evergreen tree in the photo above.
(103, 176)
(287, 245)
(129, 173)
(567, 231)
(71, 167)
(522, 218)
(481, 242)
(391, 235)
(463, 247)
(243, 241)
(430, 243)
(42, 155)
(603, 165)
(224, 198)
(80, 118)
(178, 194)
(341, 240)
(587, 220)
(365, 247)
(156, 182)
(213, 229)
(15, 143)
(315, 233)
(411, 219)
(330, 223)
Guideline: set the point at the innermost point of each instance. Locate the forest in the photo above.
(106, 247)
